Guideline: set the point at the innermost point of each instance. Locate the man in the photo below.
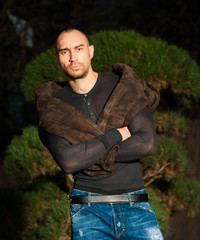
(97, 126)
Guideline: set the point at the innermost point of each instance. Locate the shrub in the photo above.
(170, 122)
(169, 162)
(188, 190)
(154, 60)
(27, 158)
(165, 174)
(43, 210)
(162, 65)
(44, 68)
(46, 211)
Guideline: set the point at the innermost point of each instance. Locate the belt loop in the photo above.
(89, 199)
(129, 198)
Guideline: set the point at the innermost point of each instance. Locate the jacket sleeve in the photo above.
(142, 141)
(77, 157)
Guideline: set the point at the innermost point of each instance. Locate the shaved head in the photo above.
(69, 31)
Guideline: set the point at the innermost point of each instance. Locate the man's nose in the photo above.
(73, 57)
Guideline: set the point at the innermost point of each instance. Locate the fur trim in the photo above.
(129, 97)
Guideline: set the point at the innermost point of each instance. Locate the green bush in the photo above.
(170, 122)
(154, 60)
(169, 162)
(27, 158)
(165, 173)
(41, 199)
(188, 190)
(164, 66)
(39, 213)
(46, 211)
(42, 69)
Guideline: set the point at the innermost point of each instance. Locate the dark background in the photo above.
(175, 21)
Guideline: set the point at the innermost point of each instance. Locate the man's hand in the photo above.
(124, 132)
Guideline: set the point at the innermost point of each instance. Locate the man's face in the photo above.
(74, 54)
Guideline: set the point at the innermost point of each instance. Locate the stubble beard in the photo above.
(75, 76)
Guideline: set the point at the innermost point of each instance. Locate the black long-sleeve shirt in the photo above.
(127, 174)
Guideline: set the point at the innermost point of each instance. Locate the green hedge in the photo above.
(188, 190)
(46, 211)
(171, 158)
(154, 60)
(170, 122)
(41, 200)
(165, 173)
(164, 66)
(41, 212)
(44, 68)
(27, 158)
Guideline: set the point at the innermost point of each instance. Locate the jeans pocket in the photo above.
(144, 205)
(76, 209)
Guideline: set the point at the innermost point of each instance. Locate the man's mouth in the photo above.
(75, 66)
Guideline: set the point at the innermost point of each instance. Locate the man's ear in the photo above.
(91, 50)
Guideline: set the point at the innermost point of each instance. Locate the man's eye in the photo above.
(64, 52)
(79, 49)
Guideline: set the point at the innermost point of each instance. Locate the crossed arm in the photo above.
(136, 140)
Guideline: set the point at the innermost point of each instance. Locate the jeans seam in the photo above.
(143, 208)
(114, 218)
(79, 211)
(122, 220)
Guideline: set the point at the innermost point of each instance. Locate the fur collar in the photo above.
(129, 97)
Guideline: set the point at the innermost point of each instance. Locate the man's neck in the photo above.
(84, 85)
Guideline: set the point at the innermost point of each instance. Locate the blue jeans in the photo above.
(114, 221)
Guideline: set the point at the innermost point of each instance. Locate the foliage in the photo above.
(42, 196)
(27, 158)
(170, 122)
(46, 211)
(162, 65)
(42, 69)
(188, 190)
(161, 214)
(169, 162)
(166, 172)
(41, 213)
